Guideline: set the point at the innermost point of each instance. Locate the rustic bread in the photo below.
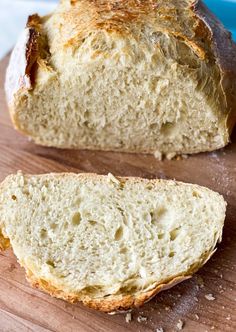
(110, 243)
(136, 76)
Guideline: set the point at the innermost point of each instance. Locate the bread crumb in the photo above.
(195, 299)
(228, 317)
(112, 178)
(158, 155)
(141, 319)
(128, 317)
(197, 317)
(213, 327)
(200, 282)
(180, 324)
(170, 155)
(210, 297)
(11, 267)
(160, 329)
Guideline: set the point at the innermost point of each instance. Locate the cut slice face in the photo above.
(110, 243)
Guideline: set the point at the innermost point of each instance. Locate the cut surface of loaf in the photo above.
(135, 76)
(110, 243)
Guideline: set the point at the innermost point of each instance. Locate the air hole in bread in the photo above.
(43, 233)
(13, 197)
(119, 233)
(171, 254)
(174, 233)
(91, 290)
(51, 263)
(76, 219)
(92, 222)
(121, 210)
(154, 126)
(129, 289)
(53, 226)
(123, 250)
(158, 214)
(196, 194)
(121, 187)
(161, 236)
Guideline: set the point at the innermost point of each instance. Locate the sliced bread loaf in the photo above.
(109, 243)
(138, 76)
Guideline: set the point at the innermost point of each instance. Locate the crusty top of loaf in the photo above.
(76, 19)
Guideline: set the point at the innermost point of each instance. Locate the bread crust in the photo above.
(115, 303)
(21, 70)
(4, 242)
(225, 54)
(112, 303)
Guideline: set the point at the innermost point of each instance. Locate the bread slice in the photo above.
(110, 243)
(136, 76)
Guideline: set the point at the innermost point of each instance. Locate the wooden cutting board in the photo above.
(25, 309)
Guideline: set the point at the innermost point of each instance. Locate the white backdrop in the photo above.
(13, 16)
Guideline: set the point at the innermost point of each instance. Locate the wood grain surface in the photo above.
(25, 309)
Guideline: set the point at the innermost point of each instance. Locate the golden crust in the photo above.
(125, 16)
(4, 242)
(108, 304)
(32, 46)
(115, 303)
(224, 50)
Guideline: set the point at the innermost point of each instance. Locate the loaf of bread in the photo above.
(111, 243)
(148, 76)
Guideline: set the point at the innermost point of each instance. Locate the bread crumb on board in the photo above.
(128, 317)
(180, 325)
(158, 155)
(197, 317)
(159, 329)
(169, 156)
(141, 319)
(210, 297)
